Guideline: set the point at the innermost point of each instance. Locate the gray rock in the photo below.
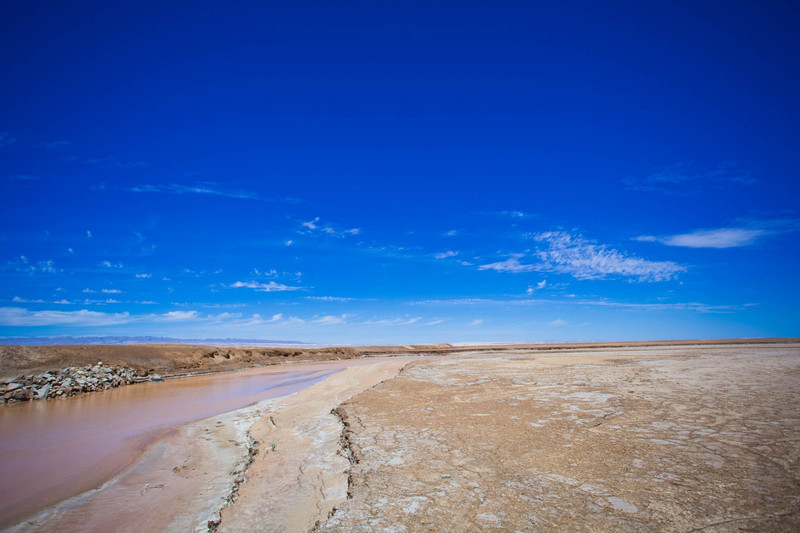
(11, 387)
(22, 394)
(43, 392)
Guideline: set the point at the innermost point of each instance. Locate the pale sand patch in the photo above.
(305, 477)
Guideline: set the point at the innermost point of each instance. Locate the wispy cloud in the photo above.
(109, 264)
(674, 306)
(315, 227)
(512, 265)
(23, 264)
(451, 233)
(14, 316)
(272, 286)
(18, 300)
(144, 275)
(731, 237)
(406, 321)
(329, 299)
(445, 255)
(680, 178)
(585, 259)
(539, 286)
(476, 322)
(210, 189)
(557, 322)
(516, 215)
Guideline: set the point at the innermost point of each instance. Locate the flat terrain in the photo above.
(623, 439)
(185, 359)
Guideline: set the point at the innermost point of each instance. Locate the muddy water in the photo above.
(52, 450)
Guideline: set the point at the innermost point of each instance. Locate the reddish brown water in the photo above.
(55, 449)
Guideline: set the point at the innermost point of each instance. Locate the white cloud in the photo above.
(208, 189)
(518, 215)
(144, 276)
(451, 233)
(23, 264)
(14, 316)
(330, 320)
(539, 286)
(329, 299)
(314, 227)
(585, 259)
(509, 265)
(746, 233)
(714, 238)
(88, 234)
(264, 287)
(557, 322)
(109, 264)
(289, 242)
(180, 315)
(675, 306)
(392, 321)
(445, 255)
(112, 291)
(434, 322)
(476, 322)
(18, 300)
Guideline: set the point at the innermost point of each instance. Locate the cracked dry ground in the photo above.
(667, 439)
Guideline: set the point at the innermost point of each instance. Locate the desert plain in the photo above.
(665, 437)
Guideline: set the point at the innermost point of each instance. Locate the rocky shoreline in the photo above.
(70, 381)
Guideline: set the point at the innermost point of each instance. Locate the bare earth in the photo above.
(625, 439)
(666, 437)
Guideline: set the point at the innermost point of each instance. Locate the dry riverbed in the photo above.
(667, 439)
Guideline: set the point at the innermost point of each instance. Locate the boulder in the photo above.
(22, 394)
(42, 393)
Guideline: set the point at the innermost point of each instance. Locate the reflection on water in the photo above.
(54, 449)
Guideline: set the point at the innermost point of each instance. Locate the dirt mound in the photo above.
(166, 359)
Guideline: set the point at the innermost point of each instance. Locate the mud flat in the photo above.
(703, 438)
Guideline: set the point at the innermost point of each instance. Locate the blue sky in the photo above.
(421, 172)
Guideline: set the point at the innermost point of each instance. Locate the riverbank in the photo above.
(135, 452)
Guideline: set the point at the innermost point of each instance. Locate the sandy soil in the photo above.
(165, 359)
(298, 484)
(183, 359)
(667, 439)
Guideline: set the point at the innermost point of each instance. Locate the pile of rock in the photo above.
(70, 381)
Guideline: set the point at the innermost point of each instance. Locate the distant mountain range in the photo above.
(49, 341)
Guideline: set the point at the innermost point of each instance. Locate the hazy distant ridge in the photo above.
(48, 341)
